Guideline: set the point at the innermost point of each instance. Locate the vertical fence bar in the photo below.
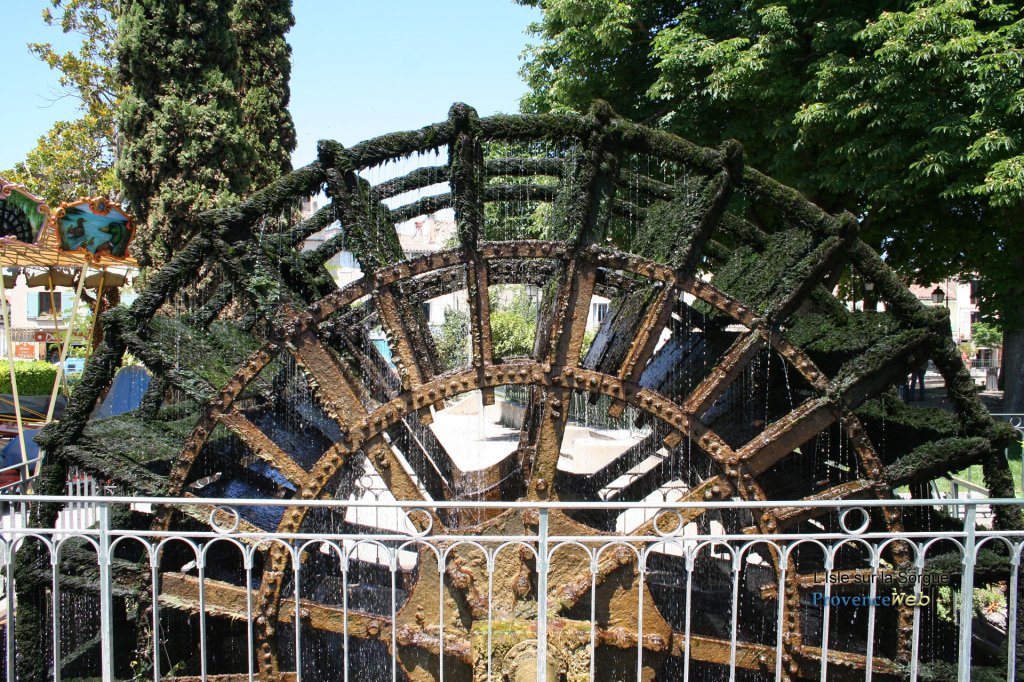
(593, 612)
(201, 573)
(542, 596)
(737, 561)
(640, 570)
(154, 568)
(344, 609)
(250, 645)
(393, 564)
(915, 642)
(876, 557)
(440, 618)
(9, 588)
(1011, 616)
(490, 612)
(780, 619)
(55, 596)
(106, 597)
(829, 564)
(967, 596)
(690, 560)
(296, 578)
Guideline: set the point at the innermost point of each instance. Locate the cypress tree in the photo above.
(204, 116)
(264, 69)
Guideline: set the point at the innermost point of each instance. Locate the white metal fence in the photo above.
(690, 592)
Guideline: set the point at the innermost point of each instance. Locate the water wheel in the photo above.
(721, 359)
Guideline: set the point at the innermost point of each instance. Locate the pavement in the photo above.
(935, 396)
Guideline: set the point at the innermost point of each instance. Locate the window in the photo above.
(599, 311)
(49, 304)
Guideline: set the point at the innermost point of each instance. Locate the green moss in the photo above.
(887, 360)
(935, 459)
(134, 452)
(668, 227)
(762, 280)
(130, 438)
(832, 341)
(213, 354)
(897, 428)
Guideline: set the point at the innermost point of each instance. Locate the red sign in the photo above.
(26, 351)
(45, 337)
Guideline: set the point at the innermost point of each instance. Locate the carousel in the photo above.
(62, 268)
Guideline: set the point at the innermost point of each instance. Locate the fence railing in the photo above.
(539, 591)
(969, 483)
(1015, 453)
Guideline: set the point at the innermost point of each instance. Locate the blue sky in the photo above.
(359, 68)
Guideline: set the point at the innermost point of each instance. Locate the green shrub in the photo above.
(513, 324)
(34, 377)
(453, 340)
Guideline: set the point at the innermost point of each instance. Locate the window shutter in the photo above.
(32, 309)
(66, 299)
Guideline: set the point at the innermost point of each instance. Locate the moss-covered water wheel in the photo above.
(723, 343)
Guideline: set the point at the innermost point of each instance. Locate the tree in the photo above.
(986, 335)
(76, 158)
(204, 118)
(911, 118)
(452, 339)
(265, 66)
(184, 149)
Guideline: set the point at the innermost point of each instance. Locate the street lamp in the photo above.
(938, 296)
(869, 296)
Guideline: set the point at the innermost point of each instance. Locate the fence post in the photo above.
(967, 595)
(8, 556)
(106, 603)
(1012, 600)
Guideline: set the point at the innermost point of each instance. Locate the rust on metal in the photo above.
(263, 447)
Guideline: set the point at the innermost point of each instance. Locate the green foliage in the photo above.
(523, 217)
(986, 335)
(911, 119)
(34, 377)
(453, 340)
(76, 158)
(265, 66)
(181, 120)
(588, 341)
(513, 324)
(204, 115)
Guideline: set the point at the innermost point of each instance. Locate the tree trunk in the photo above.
(1013, 370)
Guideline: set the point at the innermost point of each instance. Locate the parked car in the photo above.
(73, 365)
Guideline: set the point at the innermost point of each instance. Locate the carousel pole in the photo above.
(96, 305)
(67, 342)
(10, 367)
(56, 322)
